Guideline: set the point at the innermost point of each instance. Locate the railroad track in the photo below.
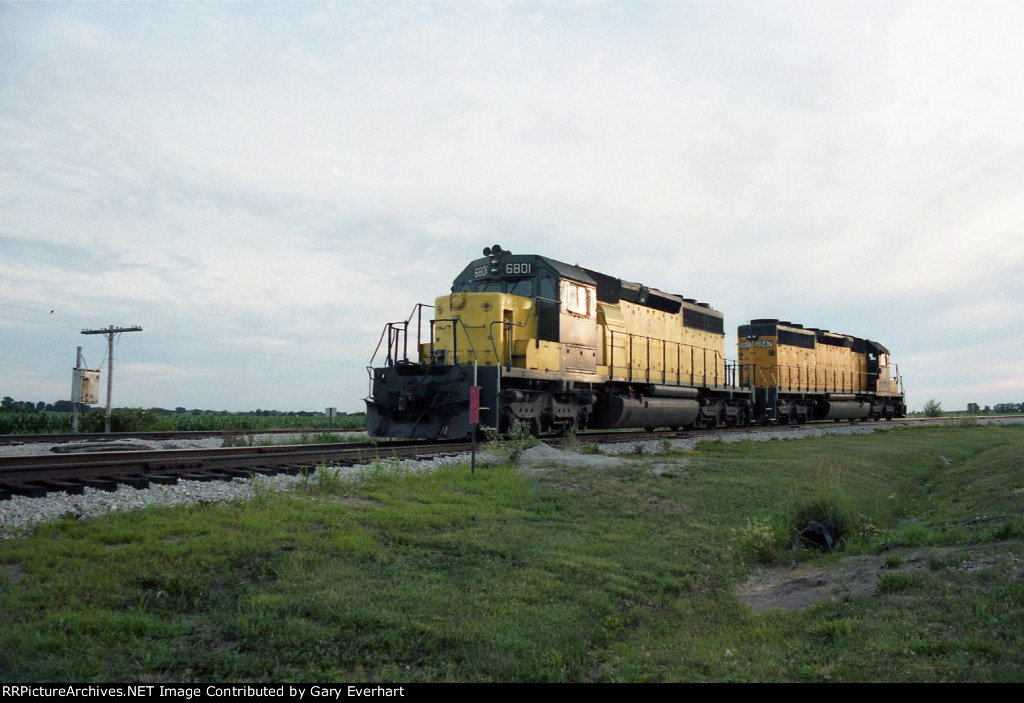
(37, 475)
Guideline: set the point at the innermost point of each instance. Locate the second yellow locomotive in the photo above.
(800, 374)
(559, 347)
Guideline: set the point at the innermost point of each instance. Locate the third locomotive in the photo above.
(561, 347)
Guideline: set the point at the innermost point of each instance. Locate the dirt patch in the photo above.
(801, 586)
(795, 587)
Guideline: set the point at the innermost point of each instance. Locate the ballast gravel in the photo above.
(18, 514)
(21, 512)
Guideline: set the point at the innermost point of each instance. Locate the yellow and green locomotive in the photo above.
(799, 374)
(559, 347)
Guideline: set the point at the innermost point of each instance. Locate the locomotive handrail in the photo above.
(508, 337)
(807, 379)
(802, 378)
(400, 329)
(395, 331)
(508, 340)
(758, 374)
(455, 338)
(741, 373)
(716, 356)
(379, 341)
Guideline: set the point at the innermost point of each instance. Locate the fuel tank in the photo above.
(647, 412)
(845, 410)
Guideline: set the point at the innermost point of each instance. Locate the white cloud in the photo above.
(308, 172)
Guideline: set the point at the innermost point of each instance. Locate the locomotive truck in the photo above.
(522, 338)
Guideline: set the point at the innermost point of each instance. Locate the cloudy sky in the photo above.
(262, 186)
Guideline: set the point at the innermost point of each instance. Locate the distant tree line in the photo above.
(26, 417)
(997, 409)
(933, 408)
(10, 405)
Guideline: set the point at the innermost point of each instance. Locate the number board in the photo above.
(511, 269)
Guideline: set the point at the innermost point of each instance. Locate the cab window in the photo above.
(523, 288)
(578, 299)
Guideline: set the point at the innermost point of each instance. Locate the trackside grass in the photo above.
(629, 573)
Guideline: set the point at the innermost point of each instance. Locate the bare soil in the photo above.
(798, 586)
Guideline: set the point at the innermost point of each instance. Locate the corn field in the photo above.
(138, 420)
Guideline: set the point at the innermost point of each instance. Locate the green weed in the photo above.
(1012, 529)
(508, 448)
(893, 561)
(325, 480)
(897, 581)
(759, 540)
(832, 630)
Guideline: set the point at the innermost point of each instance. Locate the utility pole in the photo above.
(110, 332)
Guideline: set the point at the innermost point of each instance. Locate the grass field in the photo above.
(628, 573)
